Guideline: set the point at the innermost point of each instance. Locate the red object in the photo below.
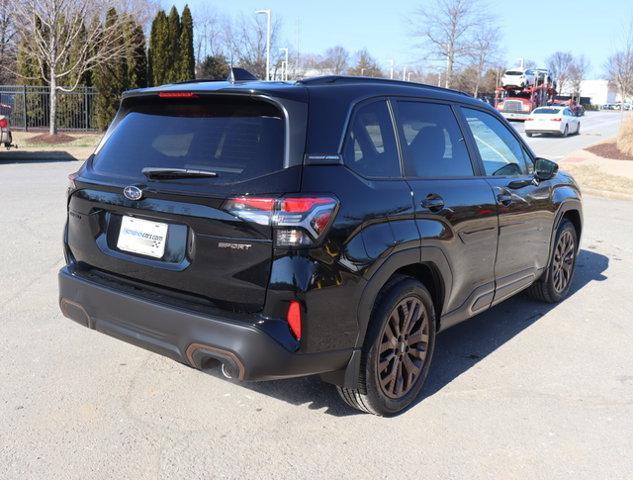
(529, 119)
(177, 95)
(557, 119)
(260, 203)
(303, 204)
(294, 319)
(321, 220)
(4, 123)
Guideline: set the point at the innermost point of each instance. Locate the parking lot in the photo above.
(525, 390)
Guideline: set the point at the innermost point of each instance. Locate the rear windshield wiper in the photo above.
(162, 172)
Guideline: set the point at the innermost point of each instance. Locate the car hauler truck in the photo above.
(516, 103)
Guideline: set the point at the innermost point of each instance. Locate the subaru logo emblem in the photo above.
(132, 193)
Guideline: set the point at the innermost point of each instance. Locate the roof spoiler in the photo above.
(237, 74)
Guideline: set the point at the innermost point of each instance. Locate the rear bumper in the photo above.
(515, 115)
(246, 351)
(539, 129)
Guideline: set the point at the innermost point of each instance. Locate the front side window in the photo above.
(500, 151)
(370, 145)
(432, 142)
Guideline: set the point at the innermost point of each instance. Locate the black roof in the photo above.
(354, 86)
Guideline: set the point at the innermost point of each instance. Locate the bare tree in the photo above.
(336, 59)
(619, 66)
(445, 27)
(485, 52)
(559, 64)
(55, 36)
(8, 37)
(577, 72)
(207, 33)
(245, 40)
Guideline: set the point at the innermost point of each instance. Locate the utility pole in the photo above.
(391, 69)
(404, 73)
(268, 14)
(284, 71)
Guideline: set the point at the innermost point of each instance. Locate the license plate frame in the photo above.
(143, 237)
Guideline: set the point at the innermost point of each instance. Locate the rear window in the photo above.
(547, 111)
(238, 138)
(513, 72)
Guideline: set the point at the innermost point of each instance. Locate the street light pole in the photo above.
(404, 73)
(268, 13)
(391, 71)
(284, 75)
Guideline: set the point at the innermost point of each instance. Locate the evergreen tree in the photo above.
(111, 79)
(172, 52)
(136, 56)
(159, 49)
(185, 51)
(214, 67)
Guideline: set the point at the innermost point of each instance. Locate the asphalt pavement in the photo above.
(526, 390)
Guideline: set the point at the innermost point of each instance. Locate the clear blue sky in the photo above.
(532, 29)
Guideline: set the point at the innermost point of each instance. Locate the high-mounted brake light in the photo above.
(557, 119)
(177, 95)
(298, 221)
(294, 319)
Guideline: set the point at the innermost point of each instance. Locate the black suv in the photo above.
(330, 226)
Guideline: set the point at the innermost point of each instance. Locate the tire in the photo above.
(529, 134)
(578, 129)
(389, 386)
(565, 132)
(549, 289)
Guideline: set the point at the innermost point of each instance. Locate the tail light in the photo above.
(557, 119)
(72, 186)
(4, 122)
(529, 119)
(297, 221)
(293, 317)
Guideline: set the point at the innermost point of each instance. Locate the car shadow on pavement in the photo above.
(456, 350)
(52, 156)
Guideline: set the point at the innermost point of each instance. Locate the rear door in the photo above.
(181, 237)
(526, 213)
(455, 210)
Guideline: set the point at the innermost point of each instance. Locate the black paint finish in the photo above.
(473, 240)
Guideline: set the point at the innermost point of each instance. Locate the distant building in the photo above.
(599, 91)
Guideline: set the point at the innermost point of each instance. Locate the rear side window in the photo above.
(370, 144)
(500, 151)
(432, 142)
(238, 138)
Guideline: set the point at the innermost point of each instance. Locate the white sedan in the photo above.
(554, 120)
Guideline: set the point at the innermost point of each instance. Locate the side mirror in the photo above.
(545, 169)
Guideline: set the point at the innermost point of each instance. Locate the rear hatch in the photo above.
(167, 230)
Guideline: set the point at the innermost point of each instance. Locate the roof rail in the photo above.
(325, 79)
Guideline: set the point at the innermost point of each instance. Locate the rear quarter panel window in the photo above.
(370, 146)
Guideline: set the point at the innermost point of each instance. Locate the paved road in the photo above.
(523, 391)
(594, 127)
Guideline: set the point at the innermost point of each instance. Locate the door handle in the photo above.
(433, 202)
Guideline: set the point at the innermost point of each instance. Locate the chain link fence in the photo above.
(28, 107)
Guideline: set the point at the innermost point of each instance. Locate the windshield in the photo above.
(237, 137)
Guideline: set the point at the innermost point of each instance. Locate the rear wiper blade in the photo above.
(169, 172)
